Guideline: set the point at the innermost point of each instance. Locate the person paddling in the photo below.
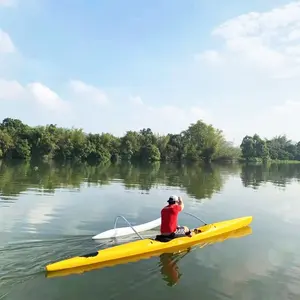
(169, 219)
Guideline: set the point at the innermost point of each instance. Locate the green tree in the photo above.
(150, 153)
(6, 143)
(247, 146)
(260, 147)
(204, 140)
(130, 146)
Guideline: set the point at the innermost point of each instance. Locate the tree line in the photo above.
(254, 148)
(199, 142)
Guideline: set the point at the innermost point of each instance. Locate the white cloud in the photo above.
(8, 3)
(200, 113)
(6, 44)
(211, 56)
(46, 97)
(294, 35)
(280, 119)
(33, 93)
(288, 108)
(38, 104)
(165, 118)
(117, 119)
(263, 40)
(136, 100)
(85, 92)
(11, 90)
(260, 70)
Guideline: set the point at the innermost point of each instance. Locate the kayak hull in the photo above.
(148, 246)
(238, 233)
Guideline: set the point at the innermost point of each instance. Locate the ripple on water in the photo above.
(21, 261)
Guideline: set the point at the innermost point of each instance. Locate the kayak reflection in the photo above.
(169, 268)
(165, 257)
(168, 261)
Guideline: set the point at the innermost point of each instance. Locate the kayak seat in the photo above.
(168, 238)
(93, 254)
(164, 238)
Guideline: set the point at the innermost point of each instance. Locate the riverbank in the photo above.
(268, 161)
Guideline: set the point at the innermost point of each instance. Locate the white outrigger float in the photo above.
(123, 231)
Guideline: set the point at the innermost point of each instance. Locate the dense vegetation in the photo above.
(199, 142)
(279, 148)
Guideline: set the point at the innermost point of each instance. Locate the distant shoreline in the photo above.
(273, 161)
(200, 142)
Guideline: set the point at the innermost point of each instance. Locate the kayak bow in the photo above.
(149, 246)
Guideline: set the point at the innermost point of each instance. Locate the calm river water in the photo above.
(49, 212)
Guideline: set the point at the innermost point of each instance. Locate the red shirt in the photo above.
(169, 215)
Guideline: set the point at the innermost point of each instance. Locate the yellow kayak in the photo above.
(239, 233)
(149, 246)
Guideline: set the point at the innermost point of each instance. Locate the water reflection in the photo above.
(198, 181)
(169, 268)
(278, 174)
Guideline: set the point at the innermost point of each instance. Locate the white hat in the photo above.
(173, 198)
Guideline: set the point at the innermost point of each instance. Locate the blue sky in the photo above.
(118, 65)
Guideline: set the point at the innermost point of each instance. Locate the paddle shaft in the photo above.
(195, 217)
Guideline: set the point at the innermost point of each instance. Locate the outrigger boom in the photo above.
(123, 231)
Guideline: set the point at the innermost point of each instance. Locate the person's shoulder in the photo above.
(174, 207)
(168, 207)
(177, 207)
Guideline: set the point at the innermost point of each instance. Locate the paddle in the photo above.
(195, 217)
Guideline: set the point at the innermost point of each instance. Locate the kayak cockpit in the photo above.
(168, 238)
(163, 238)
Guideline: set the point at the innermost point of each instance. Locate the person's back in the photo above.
(169, 219)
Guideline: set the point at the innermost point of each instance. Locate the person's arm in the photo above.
(180, 203)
